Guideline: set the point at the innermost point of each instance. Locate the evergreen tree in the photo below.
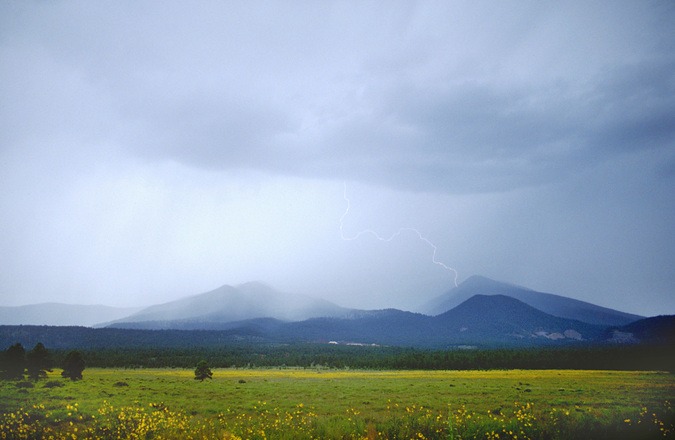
(73, 365)
(38, 362)
(14, 362)
(203, 371)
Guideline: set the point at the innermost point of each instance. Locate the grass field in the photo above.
(309, 403)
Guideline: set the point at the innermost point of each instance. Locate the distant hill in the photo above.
(501, 318)
(655, 330)
(255, 310)
(61, 314)
(555, 305)
(381, 327)
(479, 313)
(480, 321)
(483, 321)
(502, 315)
(214, 309)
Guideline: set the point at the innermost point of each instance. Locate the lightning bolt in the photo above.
(392, 237)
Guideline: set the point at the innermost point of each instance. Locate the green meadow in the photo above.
(341, 404)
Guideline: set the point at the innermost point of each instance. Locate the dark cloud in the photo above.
(403, 100)
(502, 124)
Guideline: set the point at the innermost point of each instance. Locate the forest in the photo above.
(638, 357)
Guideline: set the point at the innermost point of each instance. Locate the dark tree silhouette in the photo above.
(203, 371)
(73, 365)
(38, 362)
(14, 362)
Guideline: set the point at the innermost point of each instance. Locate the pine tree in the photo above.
(203, 371)
(38, 362)
(73, 365)
(14, 362)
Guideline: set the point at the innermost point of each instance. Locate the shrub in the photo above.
(53, 384)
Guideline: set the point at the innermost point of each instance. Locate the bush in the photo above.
(53, 384)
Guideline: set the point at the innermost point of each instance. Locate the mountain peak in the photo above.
(493, 308)
(504, 318)
(228, 304)
(551, 304)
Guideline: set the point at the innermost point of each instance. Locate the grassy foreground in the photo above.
(330, 404)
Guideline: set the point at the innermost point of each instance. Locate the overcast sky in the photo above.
(154, 150)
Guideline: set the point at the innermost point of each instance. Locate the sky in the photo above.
(154, 150)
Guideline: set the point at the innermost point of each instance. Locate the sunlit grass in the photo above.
(320, 403)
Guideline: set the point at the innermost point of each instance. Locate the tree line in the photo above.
(382, 358)
(16, 363)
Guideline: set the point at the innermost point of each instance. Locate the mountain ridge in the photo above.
(484, 320)
(226, 306)
(556, 305)
(231, 304)
(498, 315)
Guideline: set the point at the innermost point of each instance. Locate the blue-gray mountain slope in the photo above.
(226, 304)
(482, 320)
(555, 305)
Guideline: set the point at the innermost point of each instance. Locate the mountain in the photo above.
(379, 327)
(482, 320)
(479, 312)
(501, 318)
(555, 305)
(214, 309)
(502, 314)
(655, 330)
(61, 314)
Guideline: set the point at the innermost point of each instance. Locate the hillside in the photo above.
(480, 321)
(478, 312)
(555, 305)
(497, 318)
(502, 318)
(230, 304)
(655, 330)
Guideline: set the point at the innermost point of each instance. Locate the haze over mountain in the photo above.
(483, 320)
(555, 305)
(488, 313)
(61, 314)
(230, 304)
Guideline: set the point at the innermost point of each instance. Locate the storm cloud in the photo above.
(150, 151)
